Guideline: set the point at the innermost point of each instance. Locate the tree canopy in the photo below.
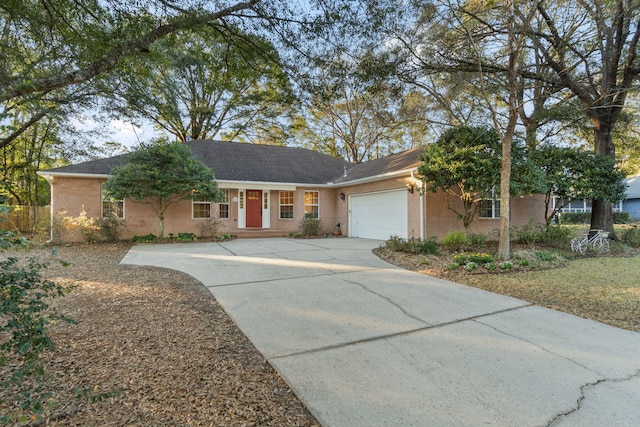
(571, 174)
(465, 164)
(160, 175)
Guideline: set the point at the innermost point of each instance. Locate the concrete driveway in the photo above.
(363, 343)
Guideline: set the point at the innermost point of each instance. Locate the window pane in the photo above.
(201, 210)
(286, 212)
(286, 204)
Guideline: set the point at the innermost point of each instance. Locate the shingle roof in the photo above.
(233, 161)
(393, 163)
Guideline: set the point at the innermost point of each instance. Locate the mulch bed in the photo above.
(152, 347)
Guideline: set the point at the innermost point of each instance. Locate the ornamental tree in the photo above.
(465, 164)
(160, 175)
(573, 174)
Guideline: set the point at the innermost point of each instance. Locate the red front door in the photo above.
(254, 208)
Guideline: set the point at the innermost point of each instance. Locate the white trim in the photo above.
(266, 209)
(48, 175)
(374, 178)
(242, 208)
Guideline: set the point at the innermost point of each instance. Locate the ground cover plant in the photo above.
(542, 271)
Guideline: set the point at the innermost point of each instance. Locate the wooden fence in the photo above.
(25, 219)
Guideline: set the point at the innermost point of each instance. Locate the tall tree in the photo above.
(160, 175)
(358, 113)
(197, 85)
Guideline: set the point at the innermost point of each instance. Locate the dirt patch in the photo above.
(158, 340)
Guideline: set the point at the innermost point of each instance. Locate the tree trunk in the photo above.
(601, 211)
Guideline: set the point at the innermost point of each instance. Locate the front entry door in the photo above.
(254, 208)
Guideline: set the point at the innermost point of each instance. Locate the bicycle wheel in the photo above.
(601, 246)
(577, 245)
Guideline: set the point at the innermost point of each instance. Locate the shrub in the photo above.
(109, 228)
(209, 227)
(456, 240)
(26, 312)
(417, 246)
(477, 239)
(310, 226)
(428, 246)
(480, 258)
(631, 236)
(10, 239)
(490, 266)
(560, 236)
(526, 234)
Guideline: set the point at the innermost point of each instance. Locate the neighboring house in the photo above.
(269, 189)
(632, 200)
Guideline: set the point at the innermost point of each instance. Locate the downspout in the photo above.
(422, 210)
(49, 179)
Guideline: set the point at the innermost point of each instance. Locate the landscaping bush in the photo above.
(477, 239)
(556, 235)
(26, 313)
(310, 226)
(525, 234)
(456, 240)
(428, 246)
(631, 236)
(585, 218)
(109, 229)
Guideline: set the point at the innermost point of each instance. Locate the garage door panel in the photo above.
(379, 215)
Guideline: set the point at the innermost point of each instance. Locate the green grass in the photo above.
(605, 289)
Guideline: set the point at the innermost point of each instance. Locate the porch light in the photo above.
(410, 188)
(342, 196)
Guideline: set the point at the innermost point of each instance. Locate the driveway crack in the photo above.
(583, 397)
(389, 300)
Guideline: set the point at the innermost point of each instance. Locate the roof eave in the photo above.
(47, 174)
(374, 178)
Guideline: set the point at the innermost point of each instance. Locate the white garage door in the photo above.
(379, 215)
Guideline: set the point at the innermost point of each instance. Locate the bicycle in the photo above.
(596, 240)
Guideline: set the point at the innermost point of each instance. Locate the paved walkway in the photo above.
(363, 343)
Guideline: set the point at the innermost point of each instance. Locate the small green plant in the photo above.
(310, 226)
(506, 265)
(490, 266)
(147, 238)
(296, 235)
(456, 240)
(452, 266)
(470, 266)
(461, 258)
(186, 237)
(523, 263)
